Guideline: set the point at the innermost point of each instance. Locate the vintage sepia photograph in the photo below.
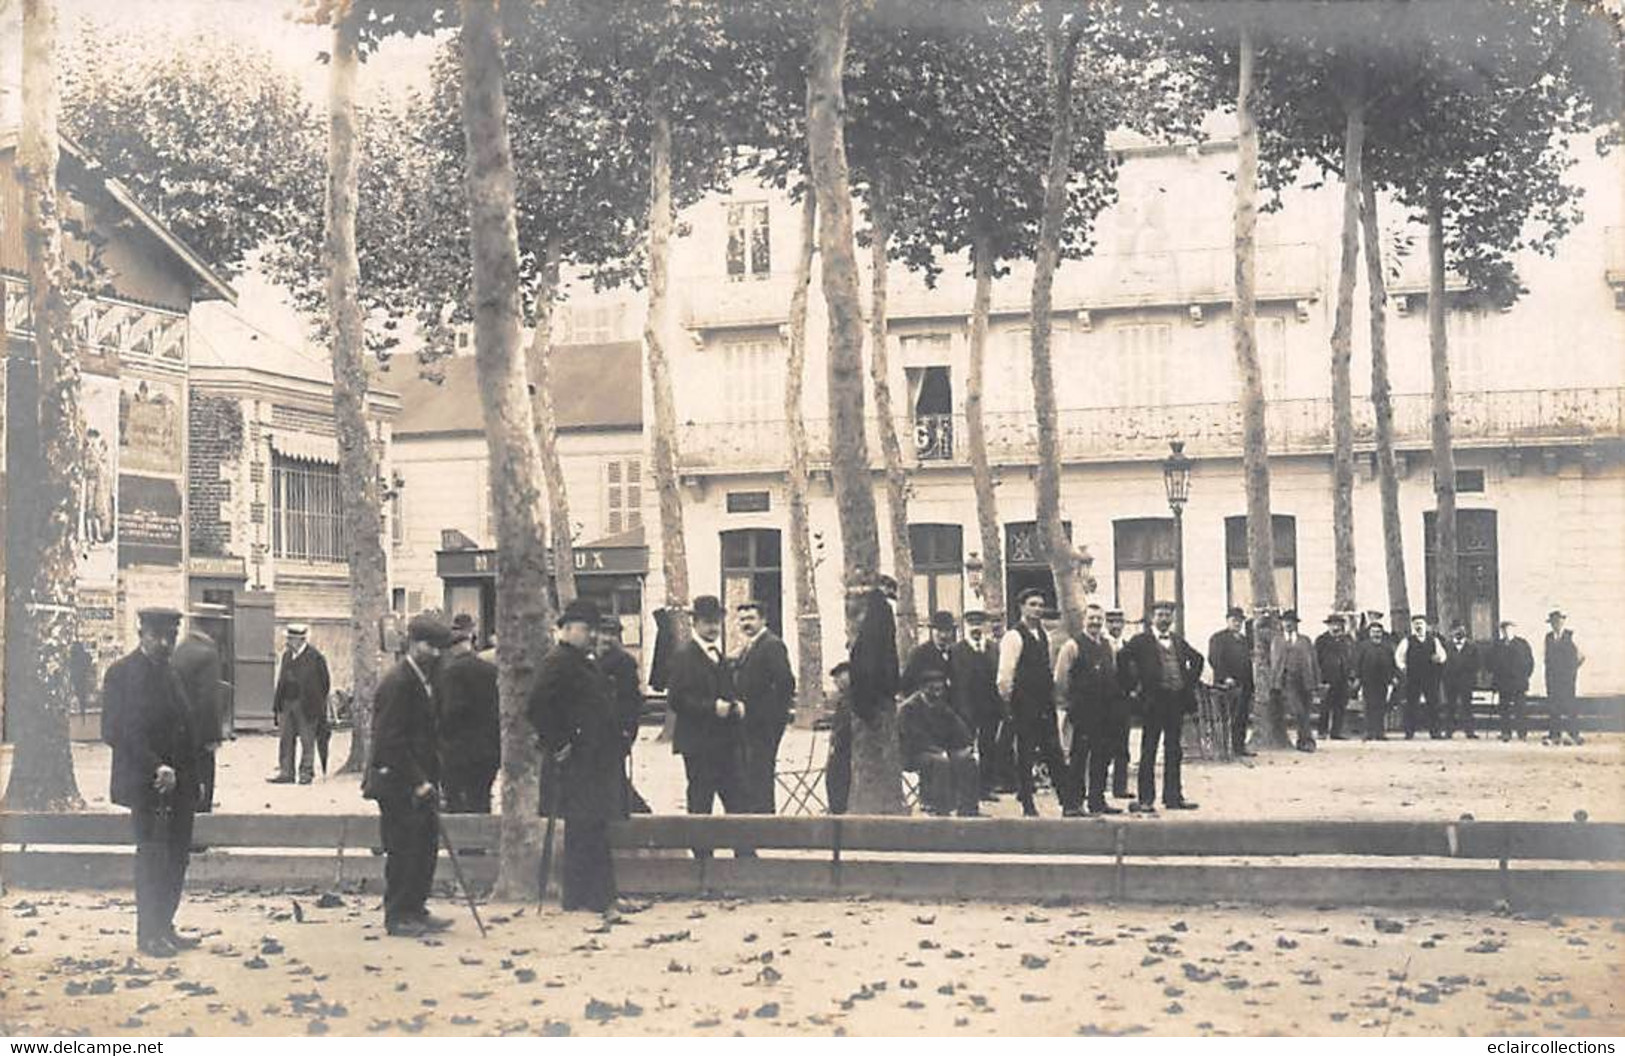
(784, 519)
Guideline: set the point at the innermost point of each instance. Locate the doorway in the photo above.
(1478, 580)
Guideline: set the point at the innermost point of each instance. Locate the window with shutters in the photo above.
(1143, 363)
(307, 515)
(749, 256)
(752, 383)
(1464, 335)
(593, 324)
(623, 495)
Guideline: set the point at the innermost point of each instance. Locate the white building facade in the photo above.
(1143, 356)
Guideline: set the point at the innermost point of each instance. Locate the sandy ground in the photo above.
(798, 967)
(1406, 780)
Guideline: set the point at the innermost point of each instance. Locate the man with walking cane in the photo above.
(403, 776)
(574, 714)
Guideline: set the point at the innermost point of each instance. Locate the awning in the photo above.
(308, 447)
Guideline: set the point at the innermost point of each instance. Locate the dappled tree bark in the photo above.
(1254, 428)
(809, 624)
(1444, 455)
(1344, 592)
(43, 619)
(1382, 405)
(987, 503)
(361, 496)
(876, 769)
(522, 608)
(1061, 53)
(663, 439)
(890, 449)
(547, 436)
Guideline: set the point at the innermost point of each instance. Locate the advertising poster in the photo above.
(149, 521)
(150, 425)
(98, 496)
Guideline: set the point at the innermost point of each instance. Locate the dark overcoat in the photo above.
(405, 741)
(303, 683)
(470, 719)
(146, 721)
(694, 685)
(764, 681)
(197, 662)
(973, 682)
(571, 705)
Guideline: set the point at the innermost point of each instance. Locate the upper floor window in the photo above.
(592, 324)
(623, 495)
(752, 382)
(749, 256)
(1464, 333)
(1144, 363)
(307, 515)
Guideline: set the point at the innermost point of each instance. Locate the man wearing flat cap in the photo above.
(1163, 669)
(1563, 660)
(1461, 665)
(708, 733)
(1026, 681)
(1230, 657)
(299, 704)
(1295, 675)
(1420, 659)
(147, 722)
(1512, 663)
(469, 723)
(197, 661)
(938, 745)
(404, 775)
(767, 688)
(572, 707)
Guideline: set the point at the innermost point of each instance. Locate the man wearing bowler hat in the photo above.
(404, 775)
(934, 652)
(1334, 652)
(1295, 674)
(147, 722)
(1230, 656)
(1512, 663)
(573, 710)
(708, 733)
(1563, 661)
(299, 704)
(1461, 664)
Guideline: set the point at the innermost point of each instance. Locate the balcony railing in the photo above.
(1534, 417)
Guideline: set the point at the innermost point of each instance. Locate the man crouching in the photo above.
(574, 713)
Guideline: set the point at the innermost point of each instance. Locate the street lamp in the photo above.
(1176, 479)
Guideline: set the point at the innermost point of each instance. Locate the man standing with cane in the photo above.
(403, 775)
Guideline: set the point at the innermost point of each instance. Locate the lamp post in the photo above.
(1176, 479)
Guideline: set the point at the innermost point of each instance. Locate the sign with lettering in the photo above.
(151, 425)
(98, 487)
(149, 522)
(589, 561)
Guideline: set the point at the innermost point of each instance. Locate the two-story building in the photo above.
(1143, 356)
(267, 537)
(134, 348)
(444, 540)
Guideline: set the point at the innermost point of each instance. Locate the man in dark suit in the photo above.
(147, 722)
(469, 723)
(1230, 658)
(1375, 673)
(1088, 686)
(574, 712)
(1420, 659)
(197, 663)
(621, 668)
(1162, 668)
(1119, 762)
(974, 694)
(403, 776)
(1461, 664)
(708, 730)
(838, 763)
(935, 652)
(767, 689)
(1512, 663)
(1334, 655)
(938, 745)
(300, 704)
(1026, 681)
(1563, 660)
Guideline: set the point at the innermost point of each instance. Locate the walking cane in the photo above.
(551, 777)
(457, 870)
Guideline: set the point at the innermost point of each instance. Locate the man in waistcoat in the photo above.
(1026, 682)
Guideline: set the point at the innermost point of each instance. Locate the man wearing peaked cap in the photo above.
(626, 689)
(404, 777)
(146, 721)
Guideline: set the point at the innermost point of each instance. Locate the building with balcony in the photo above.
(1143, 356)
